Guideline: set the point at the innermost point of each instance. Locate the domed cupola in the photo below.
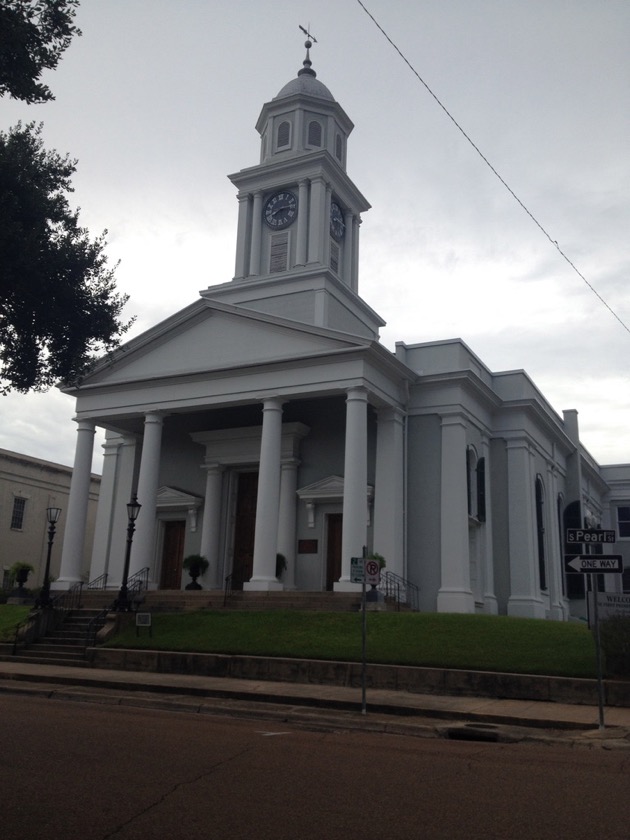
(303, 118)
(306, 82)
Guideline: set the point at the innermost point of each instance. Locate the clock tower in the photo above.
(297, 244)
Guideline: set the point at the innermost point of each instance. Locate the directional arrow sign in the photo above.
(596, 563)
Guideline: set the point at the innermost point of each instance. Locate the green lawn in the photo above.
(494, 643)
(10, 616)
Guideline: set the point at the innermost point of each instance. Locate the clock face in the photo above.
(337, 225)
(280, 210)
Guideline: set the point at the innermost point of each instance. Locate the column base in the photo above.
(455, 601)
(526, 608)
(346, 586)
(262, 585)
(490, 605)
(63, 584)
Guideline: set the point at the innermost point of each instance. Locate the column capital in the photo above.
(357, 392)
(85, 425)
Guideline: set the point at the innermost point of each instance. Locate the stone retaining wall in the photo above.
(393, 677)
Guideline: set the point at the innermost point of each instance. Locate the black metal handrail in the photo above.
(41, 621)
(401, 590)
(227, 588)
(138, 581)
(95, 624)
(98, 583)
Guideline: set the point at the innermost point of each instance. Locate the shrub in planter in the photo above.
(196, 566)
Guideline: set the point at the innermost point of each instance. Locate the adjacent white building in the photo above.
(267, 418)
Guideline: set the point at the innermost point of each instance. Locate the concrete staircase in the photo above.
(63, 646)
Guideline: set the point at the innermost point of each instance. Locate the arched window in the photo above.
(559, 514)
(540, 532)
(338, 147)
(476, 484)
(283, 136)
(314, 133)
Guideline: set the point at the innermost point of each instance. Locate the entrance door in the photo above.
(173, 554)
(244, 528)
(333, 549)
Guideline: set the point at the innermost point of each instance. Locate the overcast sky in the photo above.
(158, 101)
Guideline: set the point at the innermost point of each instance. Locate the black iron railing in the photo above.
(98, 583)
(96, 624)
(400, 590)
(40, 622)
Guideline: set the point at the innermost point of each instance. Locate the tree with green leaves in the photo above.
(58, 303)
(59, 308)
(33, 35)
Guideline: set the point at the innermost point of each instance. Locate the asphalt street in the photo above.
(93, 771)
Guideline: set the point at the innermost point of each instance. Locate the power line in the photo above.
(492, 169)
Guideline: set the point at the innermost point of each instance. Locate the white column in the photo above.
(268, 500)
(74, 540)
(455, 594)
(354, 534)
(555, 555)
(524, 600)
(105, 510)
(287, 518)
(302, 222)
(210, 529)
(389, 489)
(354, 278)
(143, 548)
(240, 270)
(348, 248)
(316, 220)
(125, 482)
(487, 548)
(254, 259)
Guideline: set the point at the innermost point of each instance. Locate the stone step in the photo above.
(51, 650)
(47, 660)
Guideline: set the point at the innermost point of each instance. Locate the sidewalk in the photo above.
(327, 706)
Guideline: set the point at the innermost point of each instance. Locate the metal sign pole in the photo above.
(364, 639)
(598, 652)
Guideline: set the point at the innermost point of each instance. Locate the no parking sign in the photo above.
(372, 572)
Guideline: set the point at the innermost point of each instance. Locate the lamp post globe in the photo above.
(122, 603)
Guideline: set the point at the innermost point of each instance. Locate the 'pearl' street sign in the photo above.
(594, 563)
(590, 535)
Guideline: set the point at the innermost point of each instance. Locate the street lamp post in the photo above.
(133, 509)
(52, 515)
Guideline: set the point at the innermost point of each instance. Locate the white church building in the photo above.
(267, 418)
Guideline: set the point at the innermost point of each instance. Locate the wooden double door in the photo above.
(172, 554)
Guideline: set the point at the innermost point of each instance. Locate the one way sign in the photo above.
(595, 563)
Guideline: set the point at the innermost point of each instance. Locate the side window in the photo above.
(338, 148)
(283, 135)
(623, 521)
(481, 489)
(17, 515)
(314, 133)
(540, 532)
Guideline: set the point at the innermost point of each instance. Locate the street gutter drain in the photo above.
(474, 732)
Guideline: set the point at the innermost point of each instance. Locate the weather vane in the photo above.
(308, 34)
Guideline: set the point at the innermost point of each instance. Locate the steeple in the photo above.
(297, 242)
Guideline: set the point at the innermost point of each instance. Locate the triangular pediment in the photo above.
(208, 337)
(328, 489)
(173, 498)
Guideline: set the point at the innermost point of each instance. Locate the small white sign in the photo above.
(372, 572)
(610, 604)
(357, 569)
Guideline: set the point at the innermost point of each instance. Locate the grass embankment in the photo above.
(491, 643)
(10, 616)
